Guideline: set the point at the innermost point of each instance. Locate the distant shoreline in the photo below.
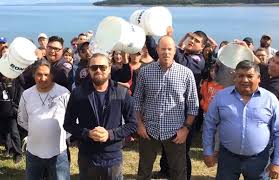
(194, 5)
(135, 5)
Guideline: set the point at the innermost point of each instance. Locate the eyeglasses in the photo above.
(96, 67)
(56, 49)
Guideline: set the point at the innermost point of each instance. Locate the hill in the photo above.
(181, 2)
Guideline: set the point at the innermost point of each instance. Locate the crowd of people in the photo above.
(159, 96)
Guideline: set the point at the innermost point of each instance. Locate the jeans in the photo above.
(175, 154)
(57, 167)
(230, 165)
(88, 171)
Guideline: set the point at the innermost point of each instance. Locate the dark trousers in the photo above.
(88, 171)
(175, 154)
(9, 129)
(230, 165)
(164, 162)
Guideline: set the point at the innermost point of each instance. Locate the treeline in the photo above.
(182, 2)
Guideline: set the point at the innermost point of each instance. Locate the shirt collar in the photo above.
(256, 93)
(172, 65)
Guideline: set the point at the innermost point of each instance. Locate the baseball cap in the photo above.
(3, 40)
(42, 35)
(266, 36)
(248, 39)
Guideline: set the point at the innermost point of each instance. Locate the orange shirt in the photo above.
(208, 91)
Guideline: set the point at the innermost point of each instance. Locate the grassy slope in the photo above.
(200, 171)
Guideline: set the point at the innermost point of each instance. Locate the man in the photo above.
(271, 83)
(81, 38)
(250, 43)
(99, 104)
(265, 43)
(261, 54)
(42, 40)
(82, 71)
(188, 54)
(166, 104)
(61, 69)
(247, 119)
(10, 92)
(41, 112)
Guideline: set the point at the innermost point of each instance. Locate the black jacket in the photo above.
(81, 106)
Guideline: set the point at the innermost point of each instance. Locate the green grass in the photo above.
(10, 171)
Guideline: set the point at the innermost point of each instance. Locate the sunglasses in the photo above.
(96, 67)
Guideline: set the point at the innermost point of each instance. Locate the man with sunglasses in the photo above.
(99, 105)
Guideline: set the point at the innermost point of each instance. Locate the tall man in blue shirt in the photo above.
(248, 120)
(166, 104)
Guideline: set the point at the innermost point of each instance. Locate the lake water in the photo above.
(221, 23)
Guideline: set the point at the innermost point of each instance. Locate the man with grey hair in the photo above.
(41, 112)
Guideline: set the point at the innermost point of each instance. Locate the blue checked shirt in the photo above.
(165, 98)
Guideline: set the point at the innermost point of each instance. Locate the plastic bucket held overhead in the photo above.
(137, 18)
(20, 55)
(154, 20)
(231, 54)
(115, 33)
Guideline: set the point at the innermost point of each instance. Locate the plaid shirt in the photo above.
(165, 98)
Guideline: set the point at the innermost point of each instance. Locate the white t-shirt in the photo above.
(42, 115)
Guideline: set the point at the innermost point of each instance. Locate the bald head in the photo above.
(166, 38)
(166, 50)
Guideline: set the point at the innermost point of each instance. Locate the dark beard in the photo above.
(99, 82)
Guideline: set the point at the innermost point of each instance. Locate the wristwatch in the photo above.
(188, 126)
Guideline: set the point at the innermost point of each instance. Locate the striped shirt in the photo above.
(165, 98)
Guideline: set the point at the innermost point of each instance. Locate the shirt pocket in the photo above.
(227, 113)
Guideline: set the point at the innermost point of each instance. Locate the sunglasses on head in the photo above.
(96, 67)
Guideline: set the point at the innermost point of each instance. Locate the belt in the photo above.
(245, 156)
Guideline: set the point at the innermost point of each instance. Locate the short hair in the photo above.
(203, 35)
(74, 39)
(40, 63)
(95, 55)
(81, 34)
(246, 64)
(260, 49)
(56, 38)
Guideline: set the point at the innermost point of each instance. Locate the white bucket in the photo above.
(231, 54)
(114, 33)
(154, 20)
(20, 55)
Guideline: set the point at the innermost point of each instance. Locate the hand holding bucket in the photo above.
(20, 55)
(231, 54)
